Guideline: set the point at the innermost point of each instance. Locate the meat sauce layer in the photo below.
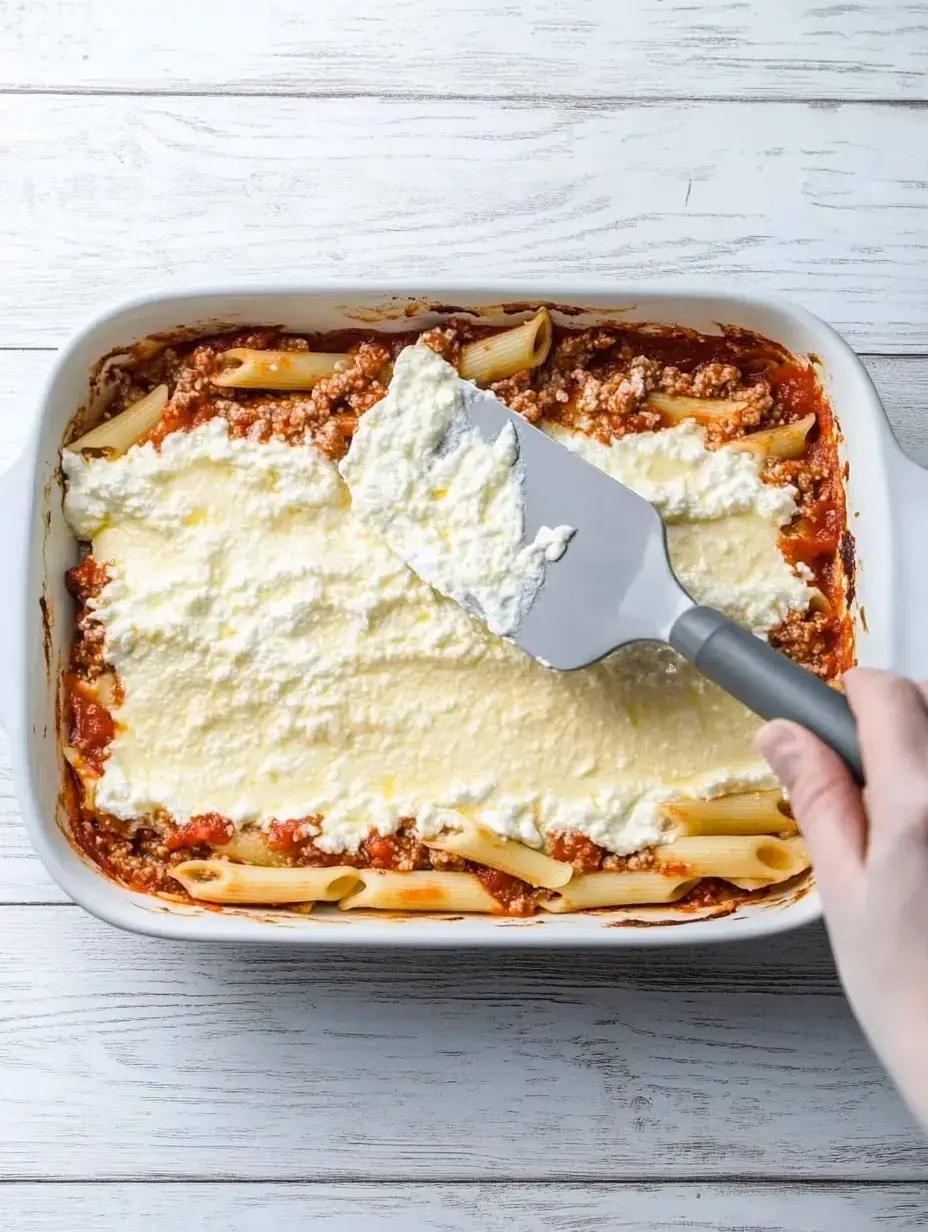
(595, 380)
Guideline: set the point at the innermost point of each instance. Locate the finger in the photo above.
(826, 802)
(892, 721)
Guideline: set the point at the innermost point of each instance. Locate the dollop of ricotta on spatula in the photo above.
(445, 500)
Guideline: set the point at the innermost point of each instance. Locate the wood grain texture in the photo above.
(572, 48)
(466, 1208)
(128, 1058)
(360, 141)
(103, 197)
(23, 879)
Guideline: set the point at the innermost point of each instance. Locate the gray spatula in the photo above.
(614, 585)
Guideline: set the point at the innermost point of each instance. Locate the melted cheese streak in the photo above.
(278, 661)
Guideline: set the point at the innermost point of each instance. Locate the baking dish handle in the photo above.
(15, 484)
(910, 512)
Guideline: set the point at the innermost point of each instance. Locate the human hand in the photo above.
(870, 854)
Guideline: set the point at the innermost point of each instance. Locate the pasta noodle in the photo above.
(801, 854)
(105, 688)
(219, 881)
(514, 350)
(244, 368)
(797, 846)
(819, 602)
(390, 891)
(785, 441)
(675, 408)
(755, 812)
(729, 856)
(114, 436)
(250, 846)
(619, 889)
(73, 758)
(747, 840)
(471, 841)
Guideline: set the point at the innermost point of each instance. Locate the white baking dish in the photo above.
(888, 512)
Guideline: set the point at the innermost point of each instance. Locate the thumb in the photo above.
(825, 800)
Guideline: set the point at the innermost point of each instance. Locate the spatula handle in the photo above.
(766, 681)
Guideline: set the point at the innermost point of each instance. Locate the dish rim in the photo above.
(120, 906)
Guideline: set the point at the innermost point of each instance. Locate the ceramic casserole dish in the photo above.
(887, 498)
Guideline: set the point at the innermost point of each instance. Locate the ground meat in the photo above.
(87, 652)
(752, 406)
(298, 417)
(621, 393)
(331, 439)
(593, 383)
(716, 381)
(636, 862)
(445, 340)
(402, 850)
(516, 897)
(595, 380)
(811, 476)
(363, 384)
(808, 638)
(520, 395)
(591, 400)
(84, 582)
(139, 859)
(578, 850)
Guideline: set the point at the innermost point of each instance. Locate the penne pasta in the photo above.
(755, 812)
(219, 881)
(388, 891)
(785, 441)
(465, 838)
(619, 889)
(798, 848)
(86, 776)
(105, 689)
(673, 409)
(249, 845)
(730, 855)
(244, 368)
(74, 759)
(123, 726)
(113, 437)
(504, 354)
(819, 602)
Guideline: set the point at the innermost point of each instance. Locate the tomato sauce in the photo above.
(92, 726)
(733, 364)
(208, 830)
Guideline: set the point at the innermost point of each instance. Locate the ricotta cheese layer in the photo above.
(723, 521)
(447, 501)
(278, 661)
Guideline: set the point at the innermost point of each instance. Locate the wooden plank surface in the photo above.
(360, 141)
(572, 48)
(104, 197)
(131, 1058)
(466, 1208)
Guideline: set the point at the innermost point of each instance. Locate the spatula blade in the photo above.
(614, 583)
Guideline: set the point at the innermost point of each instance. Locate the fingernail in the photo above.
(777, 744)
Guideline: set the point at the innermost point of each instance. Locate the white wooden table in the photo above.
(779, 147)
